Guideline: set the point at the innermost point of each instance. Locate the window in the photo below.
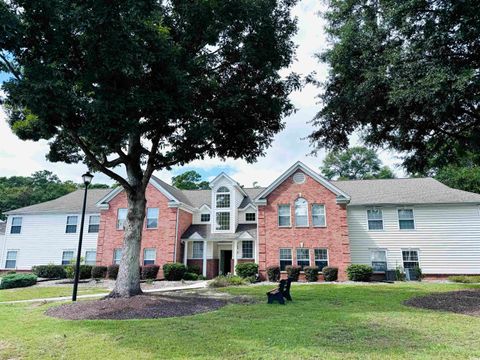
(301, 212)
(71, 224)
(285, 258)
(303, 257)
(379, 260)
(223, 221)
(223, 197)
(93, 223)
(16, 225)
(149, 256)
(197, 250)
(205, 217)
(121, 218)
(410, 259)
(321, 258)
(284, 215)
(406, 220)
(90, 257)
(67, 257)
(375, 219)
(117, 255)
(318, 215)
(250, 216)
(247, 249)
(152, 218)
(11, 261)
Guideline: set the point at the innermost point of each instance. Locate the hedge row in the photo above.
(17, 280)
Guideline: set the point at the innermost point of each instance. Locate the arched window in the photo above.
(301, 212)
(223, 197)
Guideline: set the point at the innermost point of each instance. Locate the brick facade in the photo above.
(333, 237)
(163, 238)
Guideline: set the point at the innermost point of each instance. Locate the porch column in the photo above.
(235, 242)
(204, 267)
(185, 253)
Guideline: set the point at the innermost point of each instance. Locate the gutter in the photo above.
(176, 237)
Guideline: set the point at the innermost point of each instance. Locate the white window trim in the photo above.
(206, 222)
(215, 230)
(413, 214)
(89, 223)
(251, 221)
(120, 259)
(203, 249)
(11, 225)
(253, 249)
(383, 220)
(16, 258)
(223, 193)
(308, 213)
(328, 257)
(77, 226)
(371, 250)
(309, 257)
(90, 250)
(283, 259)
(116, 224)
(411, 249)
(146, 219)
(324, 215)
(73, 251)
(154, 257)
(290, 216)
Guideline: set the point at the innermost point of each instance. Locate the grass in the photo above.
(466, 279)
(38, 292)
(323, 322)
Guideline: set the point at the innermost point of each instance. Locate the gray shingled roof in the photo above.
(70, 203)
(177, 193)
(403, 191)
(204, 230)
(3, 226)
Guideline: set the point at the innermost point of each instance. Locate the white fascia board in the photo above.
(235, 183)
(248, 206)
(245, 236)
(107, 198)
(299, 165)
(181, 206)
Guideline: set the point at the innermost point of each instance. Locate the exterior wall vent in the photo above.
(299, 178)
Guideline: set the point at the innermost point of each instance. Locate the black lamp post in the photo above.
(87, 179)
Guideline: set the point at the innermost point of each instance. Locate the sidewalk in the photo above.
(200, 285)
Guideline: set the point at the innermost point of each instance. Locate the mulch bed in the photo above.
(465, 302)
(136, 307)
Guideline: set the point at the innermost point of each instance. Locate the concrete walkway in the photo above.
(200, 285)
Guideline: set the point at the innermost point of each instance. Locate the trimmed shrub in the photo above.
(18, 280)
(99, 272)
(245, 270)
(465, 279)
(201, 277)
(311, 273)
(418, 273)
(85, 271)
(112, 271)
(399, 274)
(190, 276)
(330, 273)
(227, 280)
(273, 273)
(293, 272)
(149, 272)
(50, 271)
(357, 272)
(174, 271)
(194, 269)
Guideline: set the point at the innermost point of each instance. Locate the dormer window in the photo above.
(223, 197)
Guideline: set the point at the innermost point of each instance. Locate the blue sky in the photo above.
(24, 157)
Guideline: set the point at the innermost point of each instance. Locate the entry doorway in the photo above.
(225, 262)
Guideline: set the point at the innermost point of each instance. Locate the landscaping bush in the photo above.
(227, 280)
(245, 270)
(201, 277)
(293, 272)
(330, 273)
(190, 276)
(465, 279)
(273, 273)
(359, 272)
(18, 280)
(149, 272)
(418, 273)
(194, 269)
(99, 272)
(112, 271)
(85, 271)
(311, 273)
(399, 274)
(174, 271)
(50, 271)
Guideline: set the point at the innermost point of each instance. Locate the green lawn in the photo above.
(37, 292)
(323, 322)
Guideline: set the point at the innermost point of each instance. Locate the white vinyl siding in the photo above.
(446, 236)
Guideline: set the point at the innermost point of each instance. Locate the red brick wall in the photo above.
(333, 237)
(212, 266)
(162, 239)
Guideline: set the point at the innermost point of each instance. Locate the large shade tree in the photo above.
(405, 74)
(133, 86)
(190, 180)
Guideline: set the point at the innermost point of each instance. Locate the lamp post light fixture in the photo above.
(87, 180)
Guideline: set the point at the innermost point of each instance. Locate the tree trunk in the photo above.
(128, 279)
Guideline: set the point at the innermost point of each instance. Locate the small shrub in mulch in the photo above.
(149, 272)
(174, 271)
(227, 280)
(136, 307)
(330, 273)
(99, 272)
(50, 271)
(358, 272)
(18, 280)
(245, 270)
(112, 271)
(311, 273)
(293, 272)
(273, 273)
(463, 302)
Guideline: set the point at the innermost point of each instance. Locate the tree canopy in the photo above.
(458, 177)
(190, 180)
(146, 85)
(405, 74)
(355, 163)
